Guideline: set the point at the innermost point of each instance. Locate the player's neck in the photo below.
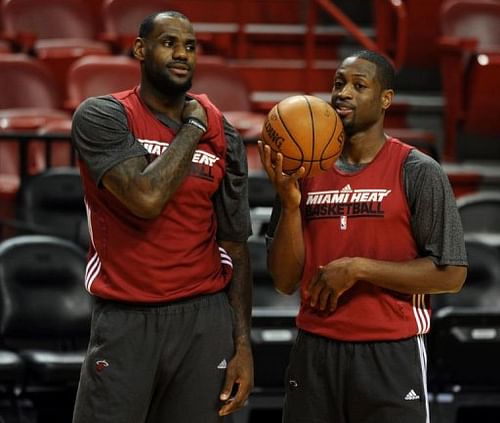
(362, 149)
(158, 103)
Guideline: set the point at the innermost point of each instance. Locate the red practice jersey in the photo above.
(363, 214)
(175, 255)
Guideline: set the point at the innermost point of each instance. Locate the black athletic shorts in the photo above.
(156, 363)
(362, 382)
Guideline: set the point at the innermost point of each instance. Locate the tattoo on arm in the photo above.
(145, 188)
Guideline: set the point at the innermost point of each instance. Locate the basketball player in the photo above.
(366, 242)
(165, 179)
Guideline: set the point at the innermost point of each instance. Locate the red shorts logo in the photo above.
(100, 365)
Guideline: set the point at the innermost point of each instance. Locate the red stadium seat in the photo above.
(56, 31)
(121, 19)
(26, 83)
(99, 75)
(470, 68)
(408, 30)
(473, 19)
(422, 31)
(29, 100)
(228, 90)
(5, 47)
(481, 110)
(61, 150)
(5, 43)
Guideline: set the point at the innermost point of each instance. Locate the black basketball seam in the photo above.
(313, 127)
(330, 140)
(289, 133)
(302, 160)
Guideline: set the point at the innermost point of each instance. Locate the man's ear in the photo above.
(387, 96)
(138, 49)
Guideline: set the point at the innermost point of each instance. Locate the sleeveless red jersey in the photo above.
(363, 214)
(175, 255)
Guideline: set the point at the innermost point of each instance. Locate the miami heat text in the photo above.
(346, 202)
(202, 162)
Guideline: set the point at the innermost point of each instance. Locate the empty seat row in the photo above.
(61, 27)
(470, 67)
(61, 31)
(114, 22)
(467, 53)
(458, 42)
(50, 203)
(58, 32)
(44, 322)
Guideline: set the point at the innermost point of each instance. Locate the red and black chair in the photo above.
(57, 32)
(470, 68)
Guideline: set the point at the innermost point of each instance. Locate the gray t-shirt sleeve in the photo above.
(101, 135)
(231, 200)
(435, 220)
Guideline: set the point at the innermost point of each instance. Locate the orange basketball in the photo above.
(307, 131)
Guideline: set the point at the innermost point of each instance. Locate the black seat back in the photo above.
(52, 202)
(482, 285)
(43, 302)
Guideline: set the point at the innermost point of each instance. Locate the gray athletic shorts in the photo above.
(156, 363)
(363, 382)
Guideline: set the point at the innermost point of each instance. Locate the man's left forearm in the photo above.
(240, 291)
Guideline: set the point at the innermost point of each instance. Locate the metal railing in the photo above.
(397, 8)
(23, 140)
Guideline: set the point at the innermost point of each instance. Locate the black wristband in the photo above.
(196, 122)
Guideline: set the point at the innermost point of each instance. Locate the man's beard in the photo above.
(172, 88)
(168, 86)
(348, 127)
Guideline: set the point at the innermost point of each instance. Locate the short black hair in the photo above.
(385, 70)
(147, 24)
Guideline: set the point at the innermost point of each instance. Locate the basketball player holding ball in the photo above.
(366, 242)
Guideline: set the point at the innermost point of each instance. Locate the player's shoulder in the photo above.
(99, 113)
(419, 163)
(99, 104)
(418, 158)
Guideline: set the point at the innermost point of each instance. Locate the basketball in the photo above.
(307, 131)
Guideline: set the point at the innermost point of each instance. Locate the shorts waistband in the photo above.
(183, 303)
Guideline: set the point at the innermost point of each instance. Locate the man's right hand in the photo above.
(192, 108)
(287, 186)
